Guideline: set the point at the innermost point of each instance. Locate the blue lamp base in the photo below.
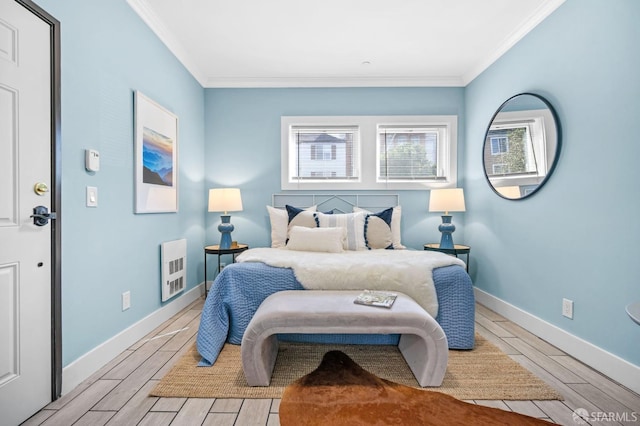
(225, 229)
(446, 228)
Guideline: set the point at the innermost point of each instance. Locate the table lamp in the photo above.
(225, 200)
(446, 200)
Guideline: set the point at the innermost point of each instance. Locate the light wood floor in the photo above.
(117, 394)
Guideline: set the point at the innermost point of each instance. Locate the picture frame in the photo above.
(156, 157)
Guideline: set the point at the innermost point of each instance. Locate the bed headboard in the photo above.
(338, 203)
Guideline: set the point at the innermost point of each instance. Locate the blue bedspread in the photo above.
(240, 288)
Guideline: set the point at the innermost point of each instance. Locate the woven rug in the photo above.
(482, 373)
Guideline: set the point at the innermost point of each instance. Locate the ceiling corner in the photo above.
(546, 9)
(166, 37)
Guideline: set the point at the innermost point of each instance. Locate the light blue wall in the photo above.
(107, 53)
(577, 238)
(243, 147)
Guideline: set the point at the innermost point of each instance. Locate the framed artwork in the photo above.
(156, 157)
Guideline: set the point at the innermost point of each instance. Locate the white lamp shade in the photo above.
(446, 200)
(225, 200)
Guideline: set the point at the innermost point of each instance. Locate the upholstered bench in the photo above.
(422, 343)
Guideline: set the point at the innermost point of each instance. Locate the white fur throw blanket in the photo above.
(407, 271)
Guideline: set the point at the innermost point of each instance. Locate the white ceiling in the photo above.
(340, 43)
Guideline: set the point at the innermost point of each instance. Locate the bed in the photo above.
(313, 248)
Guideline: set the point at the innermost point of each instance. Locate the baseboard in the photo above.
(616, 368)
(80, 369)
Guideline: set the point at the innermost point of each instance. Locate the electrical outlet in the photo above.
(567, 308)
(126, 300)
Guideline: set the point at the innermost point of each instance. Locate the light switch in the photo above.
(92, 196)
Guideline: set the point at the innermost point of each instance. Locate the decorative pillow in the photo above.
(300, 217)
(378, 227)
(353, 223)
(328, 240)
(279, 219)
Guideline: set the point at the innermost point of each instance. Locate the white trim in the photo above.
(83, 367)
(368, 127)
(605, 362)
(363, 81)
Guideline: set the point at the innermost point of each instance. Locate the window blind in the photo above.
(408, 152)
(326, 152)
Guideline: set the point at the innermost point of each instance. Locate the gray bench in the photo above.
(422, 343)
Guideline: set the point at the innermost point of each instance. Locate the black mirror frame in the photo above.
(555, 157)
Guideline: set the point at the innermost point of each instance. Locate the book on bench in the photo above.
(382, 299)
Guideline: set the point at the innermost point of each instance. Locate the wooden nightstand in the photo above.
(235, 249)
(455, 251)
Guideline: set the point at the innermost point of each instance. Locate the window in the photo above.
(368, 152)
(512, 149)
(324, 152)
(500, 169)
(499, 145)
(411, 153)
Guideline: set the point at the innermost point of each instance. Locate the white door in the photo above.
(25, 249)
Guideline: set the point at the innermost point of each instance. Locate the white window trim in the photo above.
(541, 137)
(368, 152)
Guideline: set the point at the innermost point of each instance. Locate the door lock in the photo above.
(40, 188)
(41, 216)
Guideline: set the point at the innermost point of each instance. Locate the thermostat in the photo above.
(91, 160)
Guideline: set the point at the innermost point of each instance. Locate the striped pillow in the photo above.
(353, 223)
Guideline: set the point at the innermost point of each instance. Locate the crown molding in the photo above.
(299, 82)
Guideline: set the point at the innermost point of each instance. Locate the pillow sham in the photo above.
(279, 220)
(381, 226)
(353, 223)
(328, 240)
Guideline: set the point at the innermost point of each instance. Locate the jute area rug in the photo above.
(482, 373)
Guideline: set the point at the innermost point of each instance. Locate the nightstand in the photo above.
(235, 249)
(455, 251)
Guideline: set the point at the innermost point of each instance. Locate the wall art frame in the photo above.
(156, 157)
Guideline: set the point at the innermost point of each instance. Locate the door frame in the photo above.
(56, 197)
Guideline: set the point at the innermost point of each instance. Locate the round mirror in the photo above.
(521, 146)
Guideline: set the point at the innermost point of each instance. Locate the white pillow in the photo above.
(353, 224)
(395, 226)
(280, 224)
(328, 240)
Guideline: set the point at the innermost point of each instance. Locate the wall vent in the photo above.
(174, 267)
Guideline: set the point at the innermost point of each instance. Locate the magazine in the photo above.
(376, 298)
